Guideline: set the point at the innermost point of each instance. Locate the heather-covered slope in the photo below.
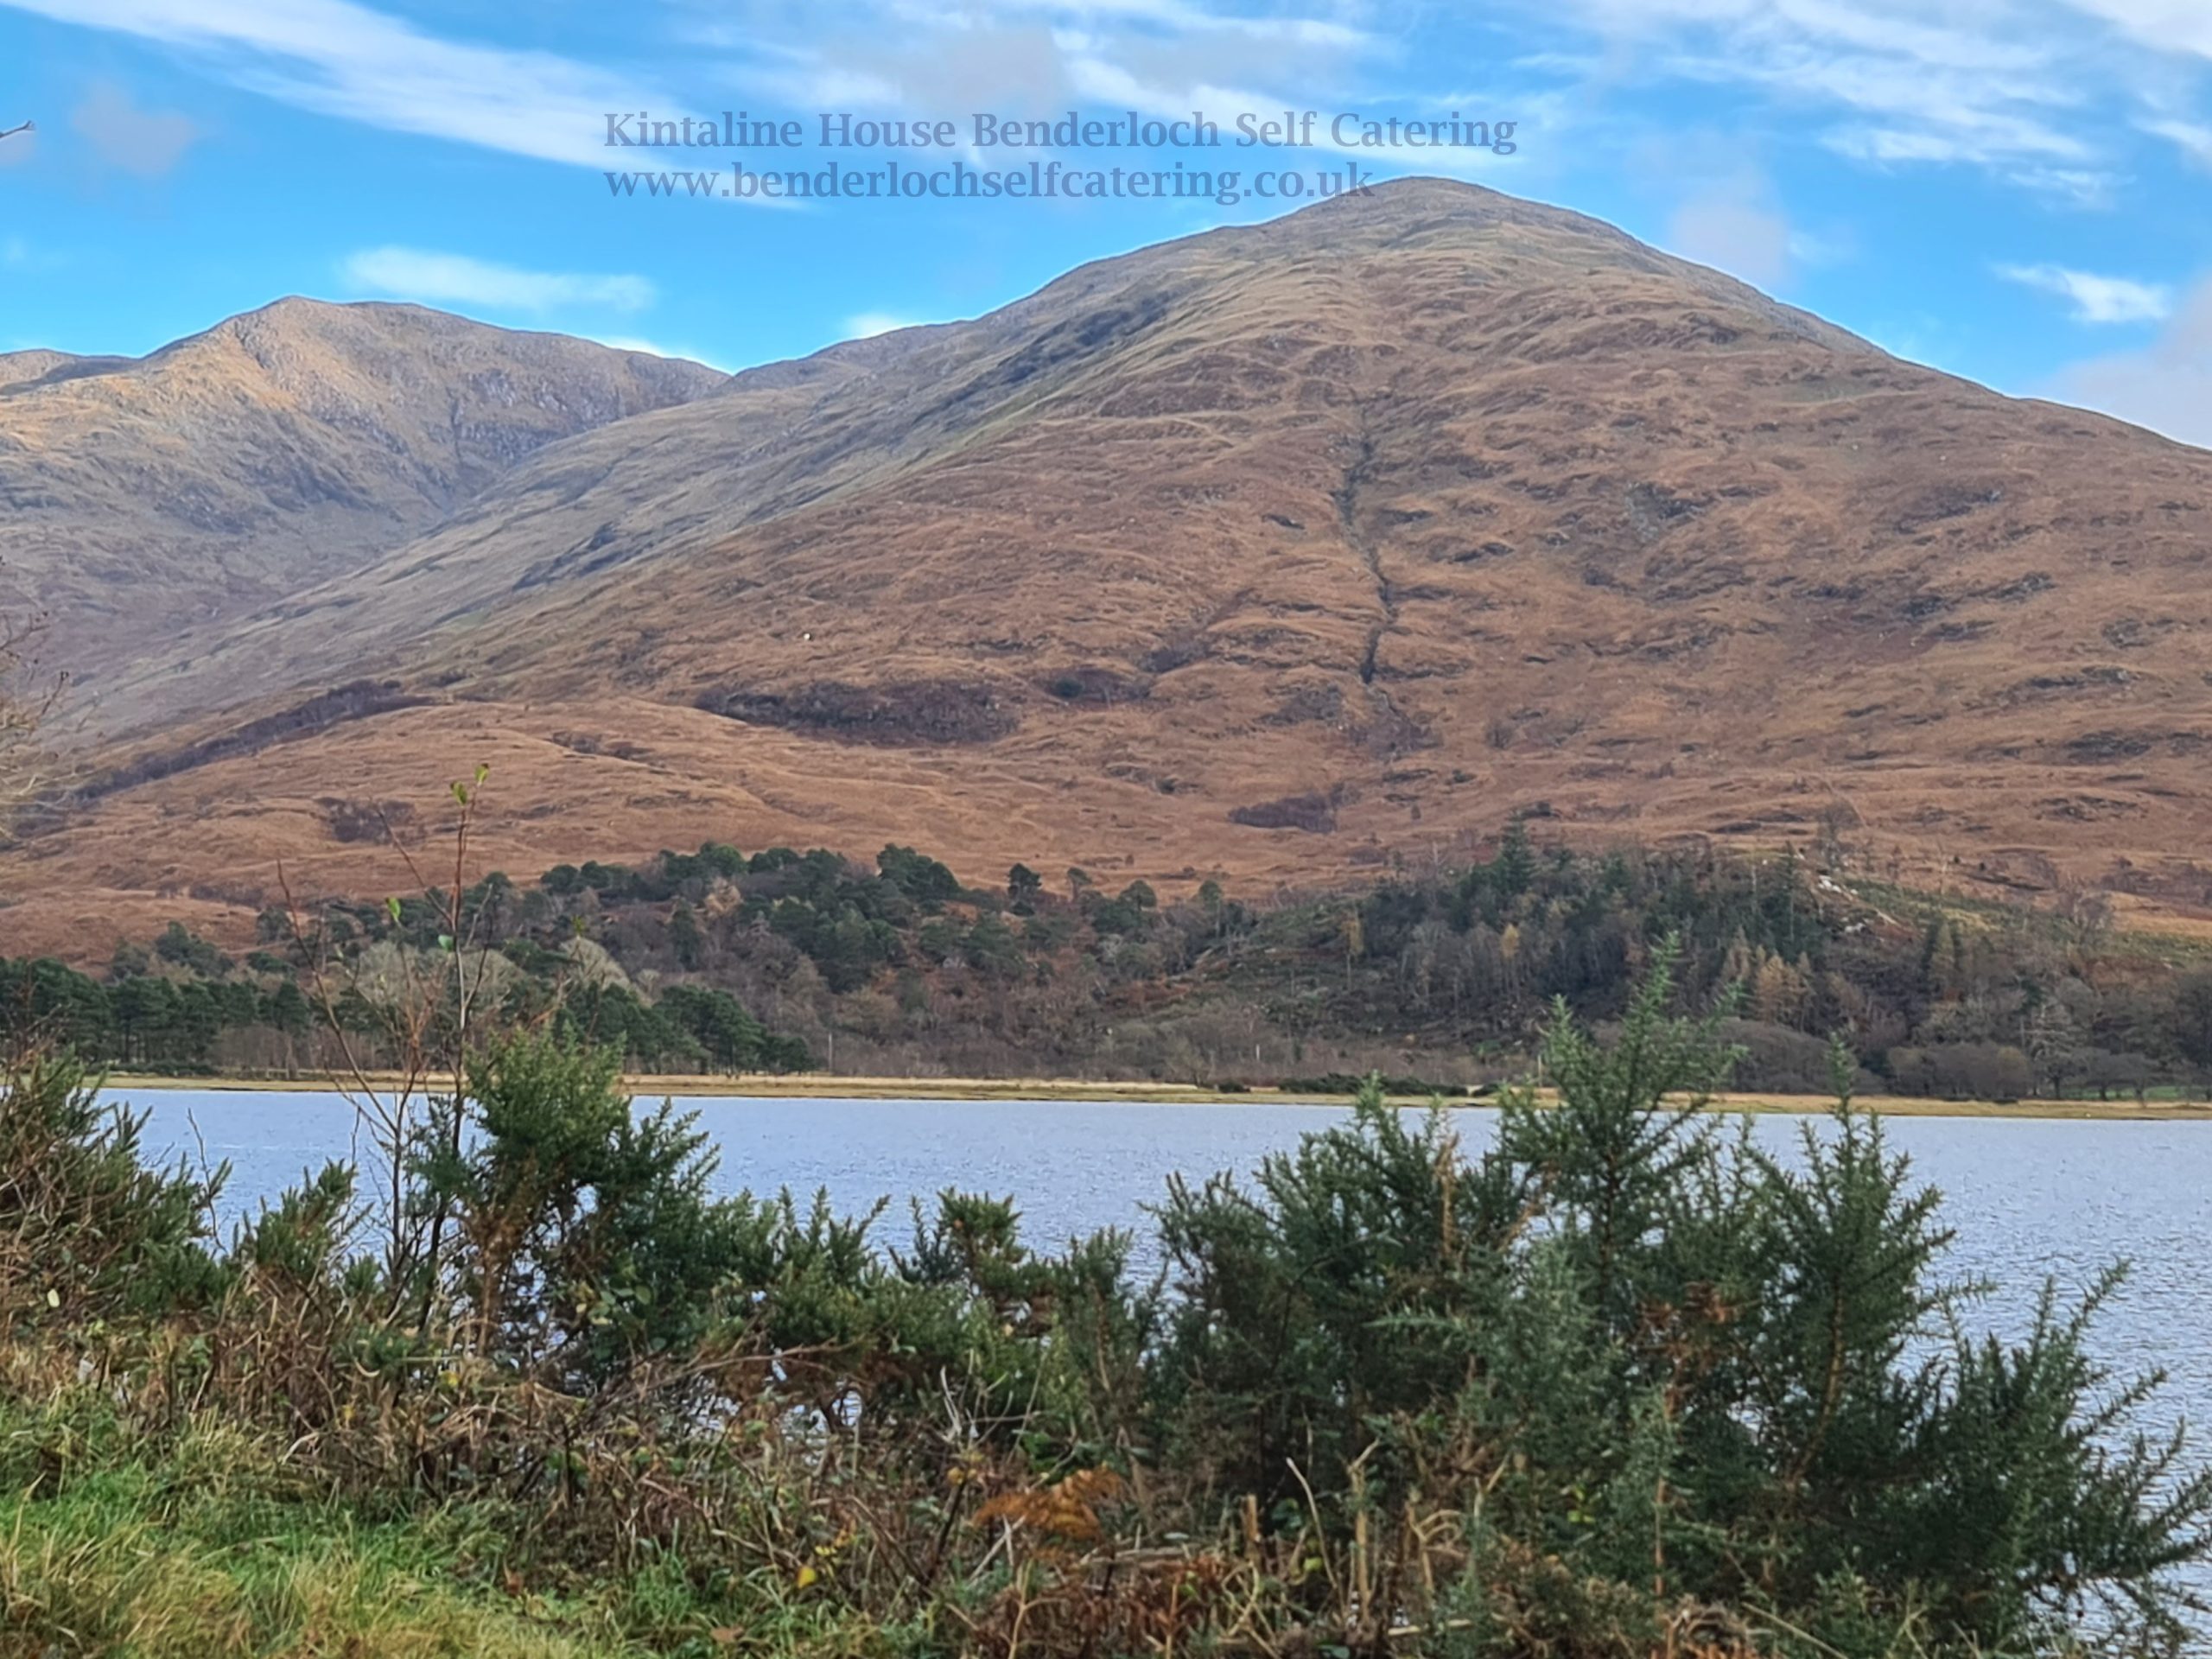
(1276, 551)
(139, 498)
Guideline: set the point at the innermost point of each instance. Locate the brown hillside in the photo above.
(1280, 551)
(231, 470)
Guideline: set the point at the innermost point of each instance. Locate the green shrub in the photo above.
(88, 1231)
(1621, 1385)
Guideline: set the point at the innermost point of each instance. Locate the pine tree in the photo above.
(1513, 870)
(686, 939)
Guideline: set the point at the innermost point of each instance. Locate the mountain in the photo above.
(228, 471)
(1281, 552)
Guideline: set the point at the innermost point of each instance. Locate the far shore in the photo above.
(761, 1086)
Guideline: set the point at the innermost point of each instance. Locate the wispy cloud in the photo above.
(2094, 298)
(1162, 58)
(2167, 386)
(651, 348)
(348, 60)
(2192, 138)
(146, 143)
(21, 254)
(2169, 25)
(1734, 226)
(455, 279)
(2044, 94)
(867, 325)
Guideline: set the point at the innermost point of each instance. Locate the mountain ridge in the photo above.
(1408, 211)
(292, 441)
(1288, 549)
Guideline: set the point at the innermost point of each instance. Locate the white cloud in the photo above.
(1161, 58)
(2096, 299)
(2039, 93)
(867, 325)
(2076, 187)
(2169, 25)
(1911, 85)
(347, 61)
(2167, 386)
(1731, 229)
(455, 279)
(147, 142)
(632, 343)
(2194, 141)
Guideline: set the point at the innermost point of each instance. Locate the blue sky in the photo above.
(2014, 190)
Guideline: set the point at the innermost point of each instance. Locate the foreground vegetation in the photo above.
(523, 1384)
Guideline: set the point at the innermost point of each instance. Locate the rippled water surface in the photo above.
(2028, 1198)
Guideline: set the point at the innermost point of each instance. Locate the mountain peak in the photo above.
(1289, 547)
(358, 325)
(280, 447)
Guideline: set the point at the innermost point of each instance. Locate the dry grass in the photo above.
(277, 449)
(1436, 508)
(1051, 1090)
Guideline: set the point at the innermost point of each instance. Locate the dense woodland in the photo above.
(722, 962)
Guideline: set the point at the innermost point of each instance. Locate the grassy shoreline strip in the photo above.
(1080, 1090)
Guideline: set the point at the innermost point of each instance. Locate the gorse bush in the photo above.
(1623, 1383)
(586, 1234)
(1665, 1367)
(88, 1231)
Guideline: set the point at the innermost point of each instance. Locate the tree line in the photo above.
(782, 960)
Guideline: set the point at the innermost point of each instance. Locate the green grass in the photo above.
(120, 1565)
(204, 1547)
(208, 1544)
